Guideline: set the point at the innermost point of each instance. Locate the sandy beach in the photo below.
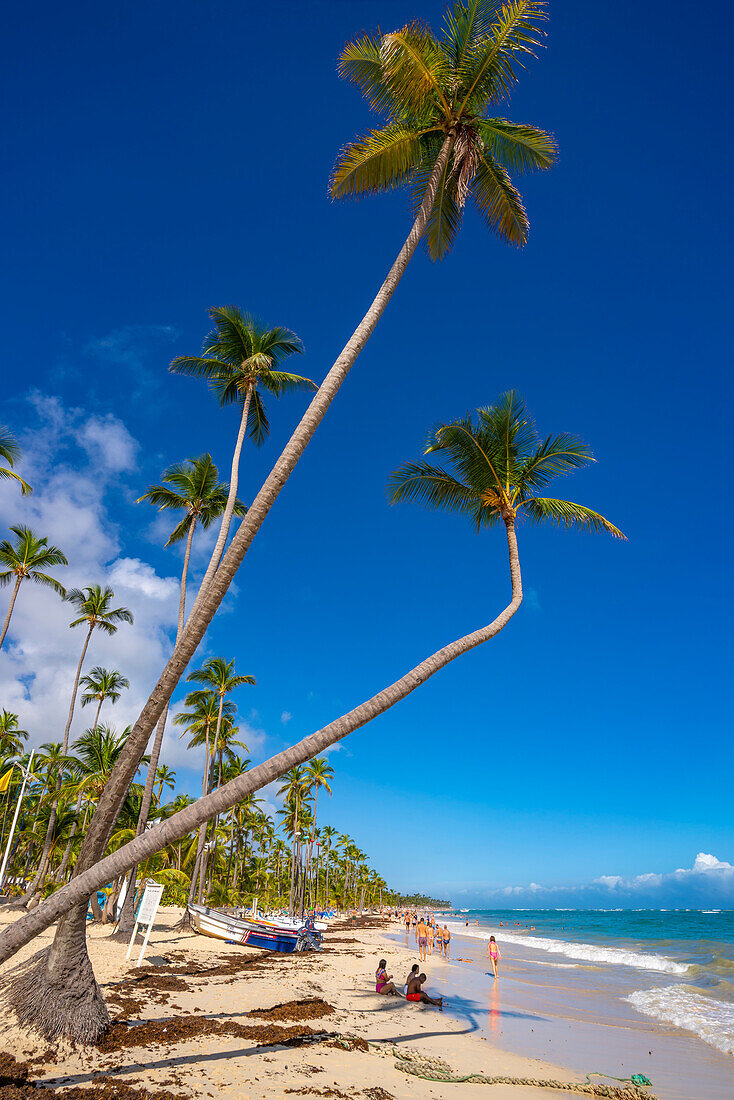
(188, 1024)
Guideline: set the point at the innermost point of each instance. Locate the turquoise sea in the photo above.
(674, 966)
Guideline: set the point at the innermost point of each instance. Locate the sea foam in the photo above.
(588, 952)
(712, 1021)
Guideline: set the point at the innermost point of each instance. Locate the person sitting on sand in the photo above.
(422, 939)
(493, 954)
(415, 993)
(413, 974)
(383, 980)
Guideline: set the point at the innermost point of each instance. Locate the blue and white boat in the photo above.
(250, 931)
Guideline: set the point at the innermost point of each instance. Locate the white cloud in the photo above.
(72, 472)
(286, 717)
(108, 442)
(709, 882)
(131, 348)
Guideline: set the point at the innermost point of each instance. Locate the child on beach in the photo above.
(493, 954)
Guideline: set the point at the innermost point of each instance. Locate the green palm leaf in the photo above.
(416, 69)
(491, 66)
(499, 203)
(517, 146)
(380, 161)
(564, 513)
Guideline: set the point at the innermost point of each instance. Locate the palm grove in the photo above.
(437, 134)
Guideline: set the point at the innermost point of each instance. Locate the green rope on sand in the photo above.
(636, 1078)
(435, 1069)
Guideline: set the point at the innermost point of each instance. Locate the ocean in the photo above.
(675, 966)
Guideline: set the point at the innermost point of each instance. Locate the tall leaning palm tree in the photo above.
(9, 455)
(499, 40)
(100, 684)
(495, 471)
(95, 612)
(26, 560)
(240, 359)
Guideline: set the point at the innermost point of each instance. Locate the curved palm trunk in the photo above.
(11, 605)
(232, 495)
(201, 838)
(99, 709)
(72, 930)
(127, 916)
(68, 898)
(40, 875)
(202, 831)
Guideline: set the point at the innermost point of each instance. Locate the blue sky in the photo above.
(167, 158)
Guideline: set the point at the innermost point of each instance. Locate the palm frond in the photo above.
(491, 67)
(160, 496)
(361, 64)
(518, 147)
(49, 582)
(466, 25)
(499, 203)
(564, 513)
(556, 456)
(258, 424)
(416, 70)
(197, 366)
(179, 532)
(279, 382)
(431, 486)
(9, 446)
(10, 475)
(381, 160)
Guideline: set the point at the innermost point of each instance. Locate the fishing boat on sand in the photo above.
(254, 931)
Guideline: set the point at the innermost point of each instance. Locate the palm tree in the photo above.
(94, 611)
(498, 464)
(101, 684)
(503, 43)
(239, 359)
(93, 605)
(26, 560)
(219, 677)
(164, 777)
(319, 772)
(10, 453)
(11, 735)
(434, 94)
(293, 790)
(191, 487)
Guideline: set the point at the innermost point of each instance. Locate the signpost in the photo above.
(146, 915)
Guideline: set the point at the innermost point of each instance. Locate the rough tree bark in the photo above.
(9, 615)
(72, 927)
(67, 899)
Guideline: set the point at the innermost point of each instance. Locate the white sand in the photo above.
(226, 1067)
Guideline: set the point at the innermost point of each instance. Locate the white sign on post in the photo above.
(146, 915)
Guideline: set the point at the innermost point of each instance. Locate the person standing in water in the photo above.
(493, 954)
(446, 936)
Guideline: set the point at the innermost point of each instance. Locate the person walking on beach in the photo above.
(431, 938)
(446, 937)
(422, 939)
(383, 980)
(415, 993)
(493, 954)
(407, 922)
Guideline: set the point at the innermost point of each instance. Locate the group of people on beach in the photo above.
(412, 988)
(427, 933)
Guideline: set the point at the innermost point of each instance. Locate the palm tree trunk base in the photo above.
(55, 993)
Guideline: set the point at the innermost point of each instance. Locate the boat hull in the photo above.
(221, 926)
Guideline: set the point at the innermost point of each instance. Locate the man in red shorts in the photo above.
(415, 993)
